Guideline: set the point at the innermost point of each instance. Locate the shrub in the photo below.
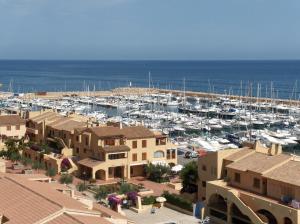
(26, 161)
(132, 196)
(3, 153)
(149, 200)
(158, 173)
(178, 201)
(51, 172)
(81, 187)
(126, 188)
(37, 165)
(101, 192)
(66, 179)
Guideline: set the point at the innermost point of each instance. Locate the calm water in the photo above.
(211, 76)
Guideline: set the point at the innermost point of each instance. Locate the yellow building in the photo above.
(120, 152)
(11, 126)
(250, 185)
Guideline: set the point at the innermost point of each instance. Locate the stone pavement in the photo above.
(162, 216)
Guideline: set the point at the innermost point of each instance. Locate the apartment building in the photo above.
(250, 185)
(52, 128)
(57, 132)
(11, 126)
(120, 152)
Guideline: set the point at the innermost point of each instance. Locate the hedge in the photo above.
(178, 201)
(149, 200)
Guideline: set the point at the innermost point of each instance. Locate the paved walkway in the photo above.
(162, 216)
(157, 188)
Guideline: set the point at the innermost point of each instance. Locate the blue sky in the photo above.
(150, 29)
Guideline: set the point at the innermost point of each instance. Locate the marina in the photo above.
(195, 122)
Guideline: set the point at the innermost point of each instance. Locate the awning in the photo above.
(89, 162)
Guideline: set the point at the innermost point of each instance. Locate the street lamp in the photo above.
(84, 173)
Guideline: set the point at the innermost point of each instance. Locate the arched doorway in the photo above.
(267, 216)
(100, 175)
(287, 220)
(217, 207)
(237, 217)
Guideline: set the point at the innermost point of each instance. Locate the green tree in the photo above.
(158, 172)
(66, 179)
(189, 176)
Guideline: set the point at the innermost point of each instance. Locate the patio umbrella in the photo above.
(161, 199)
(177, 168)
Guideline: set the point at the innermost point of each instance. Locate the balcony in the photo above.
(32, 131)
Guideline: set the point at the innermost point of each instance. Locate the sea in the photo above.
(273, 79)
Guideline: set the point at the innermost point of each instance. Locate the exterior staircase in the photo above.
(234, 196)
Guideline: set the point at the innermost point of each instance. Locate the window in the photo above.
(77, 150)
(77, 138)
(237, 177)
(134, 157)
(87, 141)
(116, 156)
(160, 141)
(159, 154)
(8, 128)
(17, 127)
(84, 150)
(256, 183)
(110, 142)
(144, 143)
(134, 144)
(168, 154)
(174, 154)
(203, 167)
(203, 184)
(203, 198)
(144, 156)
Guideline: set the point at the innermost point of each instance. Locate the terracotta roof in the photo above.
(89, 162)
(128, 132)
(67, 124)
(89, 219)
(259, 162)
(78, 219)
(287, 173)
(11, 120)
(21, 205)
(120, 148)
(241, 153)
(43, 116)
(64, 219)
(24, 201)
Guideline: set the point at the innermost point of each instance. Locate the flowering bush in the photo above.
(114, 200)
(132, 196)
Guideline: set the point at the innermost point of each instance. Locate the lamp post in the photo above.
(84, 173)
